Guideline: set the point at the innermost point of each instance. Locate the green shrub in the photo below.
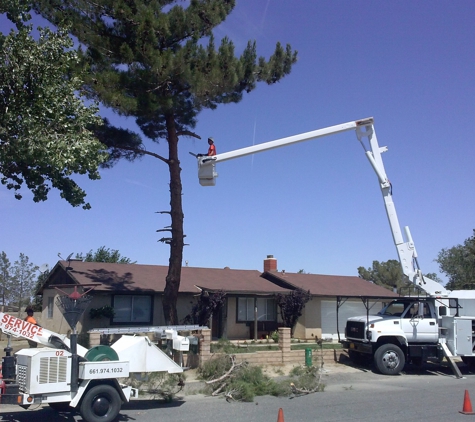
(224, 346)
(275, 336)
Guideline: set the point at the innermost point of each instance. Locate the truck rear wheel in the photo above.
(389, 359)
(101, 404)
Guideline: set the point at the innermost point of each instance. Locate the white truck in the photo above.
(414, 329)
(434, 324)
(51, 374)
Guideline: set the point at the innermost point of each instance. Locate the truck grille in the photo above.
(355, 329)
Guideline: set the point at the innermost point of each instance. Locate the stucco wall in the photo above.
(309, 325)
(57, 323)
(233, 329)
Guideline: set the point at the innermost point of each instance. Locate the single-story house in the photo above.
(135, 292)
(319, 319)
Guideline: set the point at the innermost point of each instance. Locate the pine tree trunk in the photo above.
(170, 294)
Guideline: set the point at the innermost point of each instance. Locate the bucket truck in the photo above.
(435, 324)
(50, 374)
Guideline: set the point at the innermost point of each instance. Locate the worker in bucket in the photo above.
(211, 149)
(31, 319)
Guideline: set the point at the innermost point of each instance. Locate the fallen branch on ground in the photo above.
(234, 366)
(222, 381)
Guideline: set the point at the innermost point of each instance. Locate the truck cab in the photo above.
(405, 329)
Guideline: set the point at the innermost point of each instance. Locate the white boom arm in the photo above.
(17, 327)
(405, 249)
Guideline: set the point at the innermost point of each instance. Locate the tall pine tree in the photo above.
(157, 61)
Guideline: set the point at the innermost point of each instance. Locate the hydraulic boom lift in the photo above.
(414, 329)
(364, 129)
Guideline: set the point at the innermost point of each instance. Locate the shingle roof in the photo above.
(147, 278)
(330, 285)
(137, 278)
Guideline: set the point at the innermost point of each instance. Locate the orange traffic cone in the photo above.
(467, 405)
(280, 416)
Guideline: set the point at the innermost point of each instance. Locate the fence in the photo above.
(283, 356)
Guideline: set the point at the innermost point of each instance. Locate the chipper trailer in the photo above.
(67, 376)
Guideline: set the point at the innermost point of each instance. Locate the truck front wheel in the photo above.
(101, 404)
(389, 359)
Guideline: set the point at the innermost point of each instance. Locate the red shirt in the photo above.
(211, 150)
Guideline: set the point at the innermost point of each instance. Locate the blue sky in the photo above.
(314, 206)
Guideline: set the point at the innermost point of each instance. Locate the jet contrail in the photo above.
(265, 13)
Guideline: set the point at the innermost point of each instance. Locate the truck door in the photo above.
(419, 327)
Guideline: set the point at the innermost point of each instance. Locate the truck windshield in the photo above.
(395, 308)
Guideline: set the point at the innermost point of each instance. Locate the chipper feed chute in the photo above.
(144, 356)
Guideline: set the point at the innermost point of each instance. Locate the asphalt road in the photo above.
(431, 393)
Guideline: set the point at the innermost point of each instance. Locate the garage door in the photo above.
(347, 310)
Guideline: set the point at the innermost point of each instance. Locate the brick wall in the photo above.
(284, 356)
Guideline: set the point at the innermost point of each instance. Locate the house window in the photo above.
(132, 309)
(266, 309)
(50, 307)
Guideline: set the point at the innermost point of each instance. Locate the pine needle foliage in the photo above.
(158, 62)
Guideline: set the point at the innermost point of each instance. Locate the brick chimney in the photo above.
(270, 263)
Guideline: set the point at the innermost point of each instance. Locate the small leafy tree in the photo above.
(389, 274)
(205, 307)
(45, 134)
(386, 274)
(104, 254)
(458, 264)
(37, 303)
(24, 277)
(292, 305)
(5, 277)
